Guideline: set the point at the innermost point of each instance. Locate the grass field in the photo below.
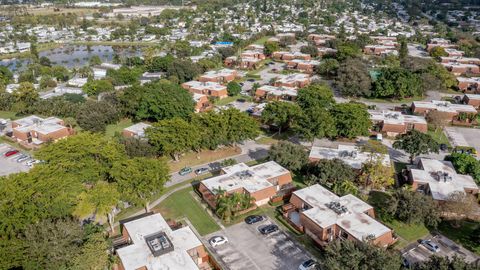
(118, 127)
(439, 136)
(461, 234)
(181, 204)
(225, 101)
(206, 156)
(50, 11)
(262, 40)
(7, 115)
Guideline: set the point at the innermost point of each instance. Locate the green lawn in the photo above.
(7, 115)
(439, 136)
(181, 204)
(409, 232)
(118, 127)
(225, 101)
(262, 40)
(461, 235)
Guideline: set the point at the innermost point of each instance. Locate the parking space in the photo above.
(247, 248)
(9, 165)
(447, 248)
(470, 136)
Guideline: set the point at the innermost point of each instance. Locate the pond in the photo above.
(72, 56)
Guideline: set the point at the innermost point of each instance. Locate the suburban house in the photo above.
(269, 92)
(449, 109)
(207, 88)
(298, 80)
(350, 154)
(250, 63)
(454, 52)
(439, 179)
(287, 56)
(150, 244)
(262, 182)
(320, 40)
(307, 66)
(458, 69)
(36, 130)
(440, 42)
(135, 131)
(326, 51)
(201, 102)
(324, 217)
(219, 76)
(461, 60)
(471, 99)
(469, 84)
(379, 49)
(393, 123)
(253, 54)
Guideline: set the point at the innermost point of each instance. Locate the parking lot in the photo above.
(9, 165)
(249, 249)
(418, 253)
(470, 136)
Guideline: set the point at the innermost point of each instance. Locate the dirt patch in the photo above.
(193, 158)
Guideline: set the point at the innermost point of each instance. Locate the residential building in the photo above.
(36, 130)
(261, 182)
(379, 49)
(458, 69)
(471, 99)
(287, 56)
(297, 80)
(454, 52)
(201, 102)
(307, 66)
(461, 60)
(320, 40)
(326, 51)
(440, 42)
(469, 84)
(219, 76)
(253, 54)
(250, 63)
(350, 154)
(450, 110)
(393, 123)
(150, 244)
(77, 82)
(276, 93)
(324, 217)
(136, 131)
(439, 179)
(207, 88)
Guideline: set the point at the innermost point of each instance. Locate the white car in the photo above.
(308, 265)
(218, 241)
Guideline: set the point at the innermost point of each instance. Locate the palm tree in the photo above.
(225, 207)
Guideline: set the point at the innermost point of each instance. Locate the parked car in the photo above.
(253, 219)
(308, 265)
(185, 171)
(20, 157)
(443, 147)
(23, 158)
(241, 100)
(251, 80)
(201, 171)
(11, 153)
(268, 229)
(218, 241)
(430, 246)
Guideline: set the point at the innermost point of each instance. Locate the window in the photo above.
(344, 235)
(329, 230)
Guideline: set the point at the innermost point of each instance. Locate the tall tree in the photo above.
(320, 95)
(416, 143)
(353, 78)
(352, 119)
(240, 126)
(289, 155)
(280, 114)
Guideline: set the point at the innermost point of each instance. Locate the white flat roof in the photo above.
(393, 117)
(138, 254)
(349, 154)
(296, 77)
(138, 128)
(40, 125)
(472, 96)
(444, 106)
(218, 73)
(212, 86)
(240, 175)
(470, 80)
(279, 91)
(354, 220)
(441, 177)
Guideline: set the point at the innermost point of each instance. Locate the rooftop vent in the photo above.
(443, 176)
(348, 154)
(244, 174)
(337, 207)
(159, 244)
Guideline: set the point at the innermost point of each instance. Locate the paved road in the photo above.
(250, 151)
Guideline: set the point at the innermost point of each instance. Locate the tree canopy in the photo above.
(416, 143)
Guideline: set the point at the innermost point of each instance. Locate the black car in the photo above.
(253, 219)
(268, 229)
(443, 147)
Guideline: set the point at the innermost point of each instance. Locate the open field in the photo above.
(118, 127)
(181, 204)
(7, 115)
(50, 11)
(206, 156)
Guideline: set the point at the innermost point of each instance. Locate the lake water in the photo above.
(72, 56)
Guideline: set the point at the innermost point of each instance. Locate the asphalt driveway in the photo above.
(248, 249)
